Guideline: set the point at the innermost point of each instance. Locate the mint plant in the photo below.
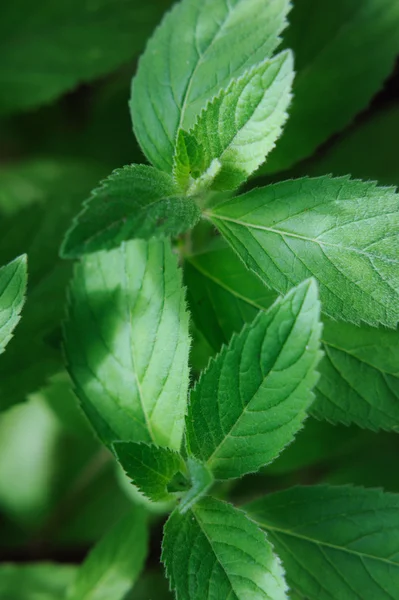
(213, 319)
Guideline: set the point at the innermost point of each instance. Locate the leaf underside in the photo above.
(359, 373)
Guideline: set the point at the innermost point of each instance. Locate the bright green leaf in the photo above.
(13, 280)
(134, 202)
(239, 127)
(47, 48)
(252, 400)
(343, 232)
(336, 543)
(341, 63)
(149, 467)
(360, 368)
(112, 567)
(127, 343)
(44, 581)
(198, 49)
(214, 551)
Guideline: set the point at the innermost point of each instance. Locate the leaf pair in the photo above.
(127, 345)
(204, 116)
(334, 542)
(359, 371)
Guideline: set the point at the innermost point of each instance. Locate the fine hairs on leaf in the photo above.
(134, 202)
(343, 232)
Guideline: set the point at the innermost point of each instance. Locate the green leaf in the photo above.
(223, 294)
(252, 400)
(198, 49)
(127, 343)
(134, 202)
(359, 380)
(214, 551)
(239, 127)
(360, 368)
(13, 280)
(341, 63)
(336, 543)
(149, 467)
(340, 231)
(48, 48)
(38, 198)
(367, 151)
(114, 564)
(44, 581)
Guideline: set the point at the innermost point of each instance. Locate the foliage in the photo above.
(221, 363)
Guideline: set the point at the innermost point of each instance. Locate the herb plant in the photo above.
(207, 327)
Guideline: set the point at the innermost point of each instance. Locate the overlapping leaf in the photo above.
(13, 279)
(114, 564)
(251, 401)
(335, 542)
(367, 150)
(47, 48)
(38, 198)
(239, 127)
(214, 551)
(359, 373)
(341, 63)
(343, 232)
(198, 49)
(127, 343)
(134, 202)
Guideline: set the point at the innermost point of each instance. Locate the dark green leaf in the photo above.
(198, 49)
(344, 50)
(127, 343)
(336, 543)
(134, 202)
(360, 370)
(368, 150)
(47, 48)
(251, 401)
(149, 467)
(214, 551)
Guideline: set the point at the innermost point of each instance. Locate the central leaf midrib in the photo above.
(289, 533)
(282, 233)
(245, 408)
(197, 518)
